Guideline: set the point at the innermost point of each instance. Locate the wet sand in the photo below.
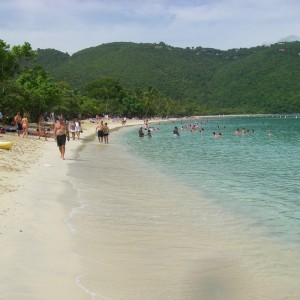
(37, 259)
(139, 237)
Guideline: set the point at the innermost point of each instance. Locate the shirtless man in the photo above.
(61, 133)
(18, 122)
(99, 130)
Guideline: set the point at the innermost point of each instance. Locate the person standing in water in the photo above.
(99, 130)
(141, 133)
(105, 133)
(175, 131)
(61, 133)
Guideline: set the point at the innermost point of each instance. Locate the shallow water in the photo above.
(189, 218)
(254, 175)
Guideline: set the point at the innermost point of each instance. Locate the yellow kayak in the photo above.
(6, 145)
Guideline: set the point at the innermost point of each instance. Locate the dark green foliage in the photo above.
(262, 79)
(12, 59)
(42, 94)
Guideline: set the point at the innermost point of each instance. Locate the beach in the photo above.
(100, 225)
(37, 260)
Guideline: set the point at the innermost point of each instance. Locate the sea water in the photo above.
(192, 217)
(254, 174)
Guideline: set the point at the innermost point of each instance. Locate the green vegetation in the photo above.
(262, 79)
(28, 87)
(128, 79)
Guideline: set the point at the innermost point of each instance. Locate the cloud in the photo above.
(72, 25)
(290, 38)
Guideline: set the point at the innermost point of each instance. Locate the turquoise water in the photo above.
(190, 217)
(254, 175)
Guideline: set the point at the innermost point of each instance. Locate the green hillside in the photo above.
(262, 79)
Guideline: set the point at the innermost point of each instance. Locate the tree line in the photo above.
(144, 80)
(28, 87)
(262, 79)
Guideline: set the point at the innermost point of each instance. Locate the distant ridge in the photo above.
(263, 79)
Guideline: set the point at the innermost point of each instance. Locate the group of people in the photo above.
(75, 128)
(219, 135)
(62, 131)
(142, 134)
(22, 124)
(243, 132)
(102, 132)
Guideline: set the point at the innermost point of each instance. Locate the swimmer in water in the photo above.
(175, 131)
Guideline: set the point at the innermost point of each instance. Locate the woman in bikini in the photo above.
(25, 124)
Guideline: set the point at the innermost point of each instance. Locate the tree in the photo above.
(42, 93)
(12, 99)
(11, 59)
(150, 97)
(12, 95)
(106, 90)
(90, 106)
(70, 101)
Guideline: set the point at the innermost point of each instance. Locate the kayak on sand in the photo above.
(6, 145)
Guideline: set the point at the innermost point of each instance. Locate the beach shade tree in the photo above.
(12, 99)
(131, 106)
(11, 64)
(43, 94)
(70, 101)
(90, 106)
(12, 59)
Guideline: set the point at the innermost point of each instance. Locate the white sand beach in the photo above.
(146, 245)
(37, 260)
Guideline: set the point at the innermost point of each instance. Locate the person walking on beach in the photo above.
(25, 125)
(72, 128)
(61, 133)
(78, 128)
(99, 130)
(18, 122)
(105, 133)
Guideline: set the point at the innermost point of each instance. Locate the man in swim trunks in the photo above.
(99, 129)
(61, 133)
(18, 122)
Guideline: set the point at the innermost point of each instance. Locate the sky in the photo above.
(73, 25)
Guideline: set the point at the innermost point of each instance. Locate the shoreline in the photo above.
(37, 260)
(41, 226)
(135, 239)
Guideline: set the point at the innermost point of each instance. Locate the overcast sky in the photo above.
(73, 25)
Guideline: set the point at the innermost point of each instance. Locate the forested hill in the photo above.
(264, 79)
